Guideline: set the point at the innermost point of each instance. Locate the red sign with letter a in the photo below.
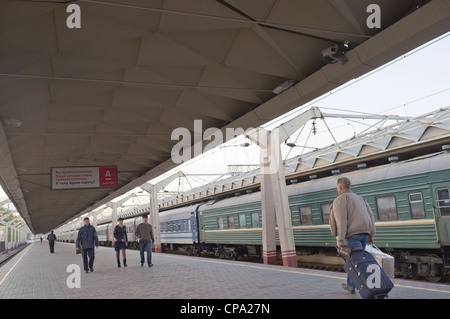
(108, 176)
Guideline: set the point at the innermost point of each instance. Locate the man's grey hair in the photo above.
(344, 182)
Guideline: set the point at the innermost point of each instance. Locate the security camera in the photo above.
(330, 52)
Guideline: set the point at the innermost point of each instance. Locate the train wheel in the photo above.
(438, 278)
(436, 272)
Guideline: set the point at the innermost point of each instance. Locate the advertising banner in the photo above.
(83, 177)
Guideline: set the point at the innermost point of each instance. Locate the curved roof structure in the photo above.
(112, 91)
(408, 140)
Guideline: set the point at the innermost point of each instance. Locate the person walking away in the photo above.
(145, 234)
(351, 221)
(87, 238)
(121, 241)
(51, 242)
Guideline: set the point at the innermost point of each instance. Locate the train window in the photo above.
(295, 212)
(220, 222)
(242, 221)
(416, 205)
(230, 221)
(444, 201)
(387, 210)
(305, 215)
(255, 220)
(326, 213)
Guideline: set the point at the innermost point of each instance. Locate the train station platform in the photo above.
(35, 273)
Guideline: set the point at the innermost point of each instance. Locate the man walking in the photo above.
(145, 234)
(51, 242)
(351, 221)
(87, 237)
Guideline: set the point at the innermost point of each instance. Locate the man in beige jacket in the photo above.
(351, 221)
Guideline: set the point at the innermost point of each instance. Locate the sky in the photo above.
(411, 85)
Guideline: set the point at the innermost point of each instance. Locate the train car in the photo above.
(72, 235)
(179, 227)
(410, 201)
(103, 234)
(130, 225)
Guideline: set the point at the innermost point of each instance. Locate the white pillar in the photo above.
(274, 197)
(6, 237)
(114, 222)
(268, 220)
(152, 190)
(154, 215)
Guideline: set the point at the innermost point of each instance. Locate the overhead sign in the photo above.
(83, 177)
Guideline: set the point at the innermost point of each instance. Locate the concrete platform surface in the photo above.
(35, 273)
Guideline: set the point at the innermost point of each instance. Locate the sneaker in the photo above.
(150, 265)
(86, 271)
(348, 289)
(91, 269)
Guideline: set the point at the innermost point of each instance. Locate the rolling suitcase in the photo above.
(367, 276)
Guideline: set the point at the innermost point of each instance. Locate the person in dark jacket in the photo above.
(51, 241)
(87, 237)
(121, 241)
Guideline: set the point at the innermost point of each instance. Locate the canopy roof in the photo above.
(112, 92)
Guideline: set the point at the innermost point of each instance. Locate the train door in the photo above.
(201, 227)
(441, 194)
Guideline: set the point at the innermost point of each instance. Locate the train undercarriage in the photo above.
(411, 264)
(415, 264)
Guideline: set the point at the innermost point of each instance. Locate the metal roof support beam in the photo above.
(153, 190)
(9, 228)
(273, 188)
(95, 214)
(6, 201)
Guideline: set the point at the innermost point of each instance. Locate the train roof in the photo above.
(420, 165)
(178, 213)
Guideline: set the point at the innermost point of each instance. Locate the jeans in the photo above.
(359, 241)
(146, 244)
(85, 253)
(51, 243)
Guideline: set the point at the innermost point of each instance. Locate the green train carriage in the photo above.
(411, 206)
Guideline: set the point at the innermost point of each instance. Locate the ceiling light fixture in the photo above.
(12, 122)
